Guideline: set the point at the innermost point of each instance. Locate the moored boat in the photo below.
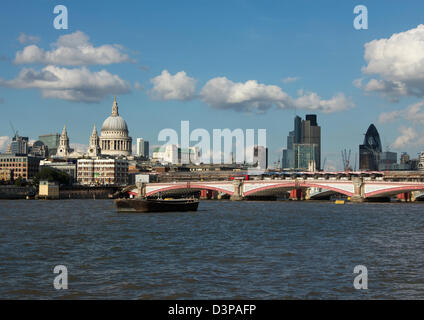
(156, 205)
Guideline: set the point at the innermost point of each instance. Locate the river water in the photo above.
(226, 250)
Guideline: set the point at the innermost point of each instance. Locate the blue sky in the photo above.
(313, 42)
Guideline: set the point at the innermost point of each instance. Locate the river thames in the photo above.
(226, 250)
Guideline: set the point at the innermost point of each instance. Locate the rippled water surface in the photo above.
(226, 250)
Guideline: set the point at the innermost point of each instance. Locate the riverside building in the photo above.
(102, 171)
(16, 166)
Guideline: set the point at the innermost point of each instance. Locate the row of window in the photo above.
(8, 165)
(13, 160)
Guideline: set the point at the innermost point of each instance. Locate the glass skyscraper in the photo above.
(303, 145)
(51, 141)
(369, 151)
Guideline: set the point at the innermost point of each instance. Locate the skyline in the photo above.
(216, 68)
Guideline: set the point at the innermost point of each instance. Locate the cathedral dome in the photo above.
(114, 123)
(114, 139)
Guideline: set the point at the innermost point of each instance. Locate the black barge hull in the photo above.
(156, 205)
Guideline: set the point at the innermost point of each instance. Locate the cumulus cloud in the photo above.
(290, 79)
(26, 38)
(79, 84)
(4, 143)
(173, 87)
(408, 136)
(72, 49)
(412, 113)
(312, 101)
(398, 62)
(391, 116)
(222, 93)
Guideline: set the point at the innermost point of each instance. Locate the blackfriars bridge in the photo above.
(357, 188)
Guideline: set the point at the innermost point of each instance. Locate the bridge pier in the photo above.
(238, 190)
(141, 188)
(308, 194)
(359, 192)
(406, 197)
(296, 194)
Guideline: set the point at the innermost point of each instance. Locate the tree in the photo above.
(19, 182)
(51, 175)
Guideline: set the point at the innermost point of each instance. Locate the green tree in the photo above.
(51, 175)
(19, 182)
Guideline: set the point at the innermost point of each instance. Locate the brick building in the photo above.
(19, 165)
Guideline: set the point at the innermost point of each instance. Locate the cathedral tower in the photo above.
(63, 149)
(94, 148)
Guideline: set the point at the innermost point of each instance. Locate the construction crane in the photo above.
(13, 129)
(356, 158)
(346, 160)
(15, 132)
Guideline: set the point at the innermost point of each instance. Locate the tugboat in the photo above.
(156, 205)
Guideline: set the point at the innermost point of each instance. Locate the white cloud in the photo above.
(290, 79)
(399, 63)
(26, 38)
(412, 113)
(358, 82)
(79, 84)
(4, 142)
(386, 117)
(72, 49)
(222, 93)
(173, 87)
(311, 101)
(407, 137)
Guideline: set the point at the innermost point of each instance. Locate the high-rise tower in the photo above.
(303, 145)
(369, 151)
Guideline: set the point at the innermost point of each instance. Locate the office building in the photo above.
(19, 145)
(142, 148)
(19, 166)
(388, 161)
(369, 151)
(51, 141)
(303, 150)
(38, 149)
(405, 158)
(305, 155)
(102, 171)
